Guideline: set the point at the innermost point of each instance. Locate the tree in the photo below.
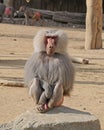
(93, 24)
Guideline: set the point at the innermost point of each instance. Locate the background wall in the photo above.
(54, 5)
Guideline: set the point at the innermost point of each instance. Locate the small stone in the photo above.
(84, 108)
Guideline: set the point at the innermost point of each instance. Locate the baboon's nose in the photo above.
(51, 46)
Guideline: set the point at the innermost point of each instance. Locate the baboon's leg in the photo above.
(35, 90)
(44, 98)
(12, 20)
(57, 96)
(41, 21)
(12, 15)
(47, 93)
(26, 19)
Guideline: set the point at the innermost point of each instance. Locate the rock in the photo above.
(61, 118)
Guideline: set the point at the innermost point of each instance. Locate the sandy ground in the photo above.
(16, 46)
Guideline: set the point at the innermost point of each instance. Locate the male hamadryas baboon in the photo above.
(49, 72)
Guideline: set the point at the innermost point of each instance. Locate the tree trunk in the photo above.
(93, 24)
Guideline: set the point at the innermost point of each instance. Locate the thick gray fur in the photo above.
(56, 69)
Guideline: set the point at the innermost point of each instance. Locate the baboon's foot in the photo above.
(53, 103)
(42, 108)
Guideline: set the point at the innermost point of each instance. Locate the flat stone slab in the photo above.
(60, 118)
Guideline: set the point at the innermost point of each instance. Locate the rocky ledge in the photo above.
(61, 118)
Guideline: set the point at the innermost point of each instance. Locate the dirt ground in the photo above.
(16, 45)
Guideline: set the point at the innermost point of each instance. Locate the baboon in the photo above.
(30, 13)
(9, 12)
(49, 72)
(6, 11)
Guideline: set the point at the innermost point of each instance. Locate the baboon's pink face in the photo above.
(50, 46)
